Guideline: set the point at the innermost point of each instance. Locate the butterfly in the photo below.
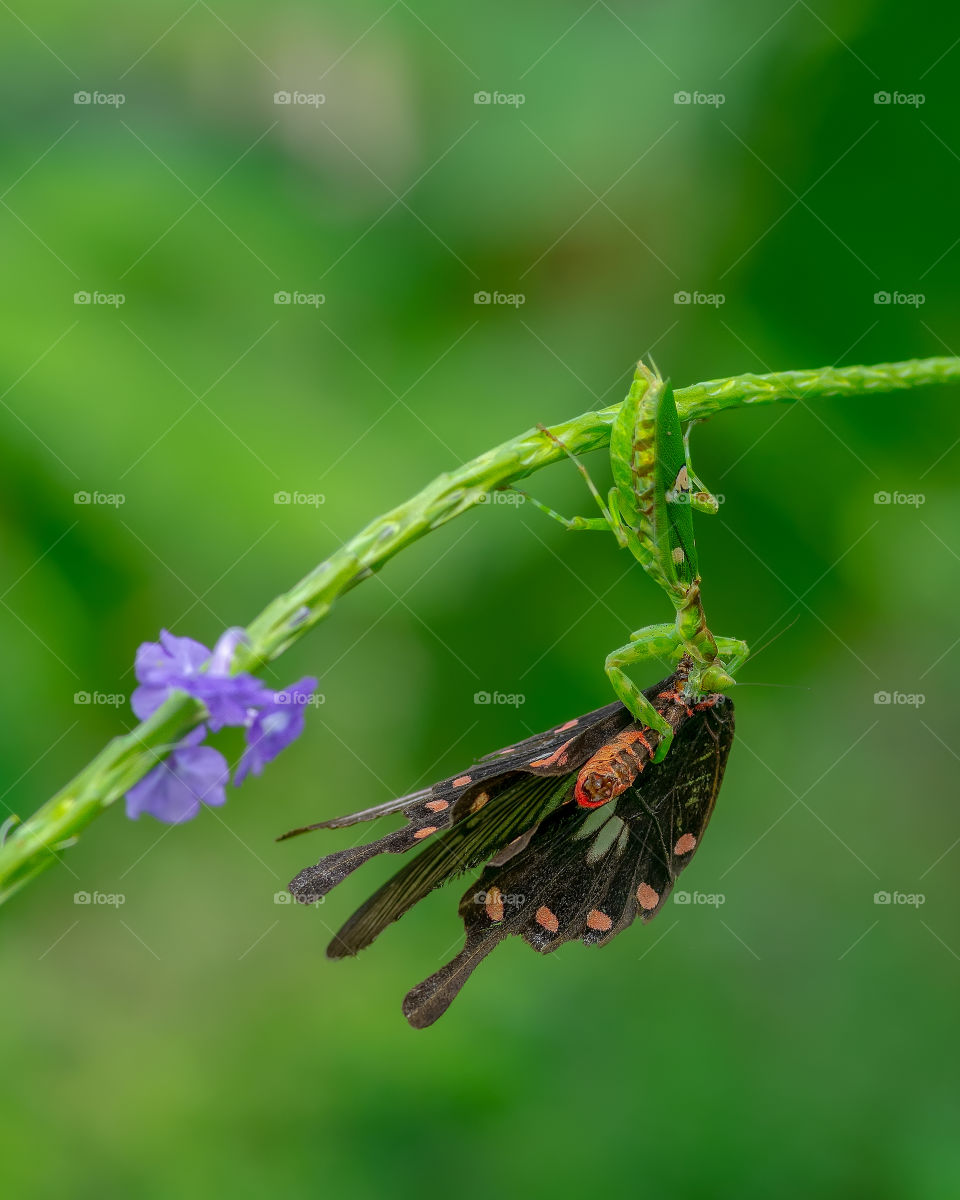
(577, 830)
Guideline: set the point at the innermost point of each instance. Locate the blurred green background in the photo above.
(800, 1038)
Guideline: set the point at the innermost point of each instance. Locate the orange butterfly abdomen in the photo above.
(612, 769)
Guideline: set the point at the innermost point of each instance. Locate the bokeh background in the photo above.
(798, 1039)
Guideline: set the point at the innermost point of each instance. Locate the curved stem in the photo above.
(707, 399)
(36, 843)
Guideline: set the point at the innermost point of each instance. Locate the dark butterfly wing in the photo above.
(587, 874)
(601, 723)
(470, 843)
(434, 810)
(549, 753)
(406, 804)
(432, 815)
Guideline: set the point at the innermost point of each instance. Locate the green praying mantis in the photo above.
(649, 510)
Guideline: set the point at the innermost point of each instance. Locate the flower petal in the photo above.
(186, 654)
(166, 662)
(147, 698)
(278, 723)
(225, 648)
(175, 789)
(228, 698)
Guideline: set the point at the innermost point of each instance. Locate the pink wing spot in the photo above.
(425, 832)
(461, 780)
(556, 759)
(598, 920)
(647, 897)
(494, 904)
(509, 750)
(685, 844)
(569, 725)
(437, 805)
(547, 919)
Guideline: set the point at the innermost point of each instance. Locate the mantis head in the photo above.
(715, 678)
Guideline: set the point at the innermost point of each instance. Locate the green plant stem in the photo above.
(37, 842)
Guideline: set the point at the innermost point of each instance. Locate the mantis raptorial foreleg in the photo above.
(701, 498)
(734, 653)
(654, 642)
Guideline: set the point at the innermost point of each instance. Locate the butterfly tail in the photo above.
(429, 1000)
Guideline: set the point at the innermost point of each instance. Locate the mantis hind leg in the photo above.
(611, 517)
(656, 641)
(576, 523)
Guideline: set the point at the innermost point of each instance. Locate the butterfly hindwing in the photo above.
(668, 822)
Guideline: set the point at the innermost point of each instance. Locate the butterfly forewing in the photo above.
(471, 842)
(434, 810)
(554, 752)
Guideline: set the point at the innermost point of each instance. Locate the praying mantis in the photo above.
(649, 510)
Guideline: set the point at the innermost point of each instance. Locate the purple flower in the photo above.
(229, 699)
(162, 666)
(174, 790)
(188, 665)
(278, 723)
(195, 774)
